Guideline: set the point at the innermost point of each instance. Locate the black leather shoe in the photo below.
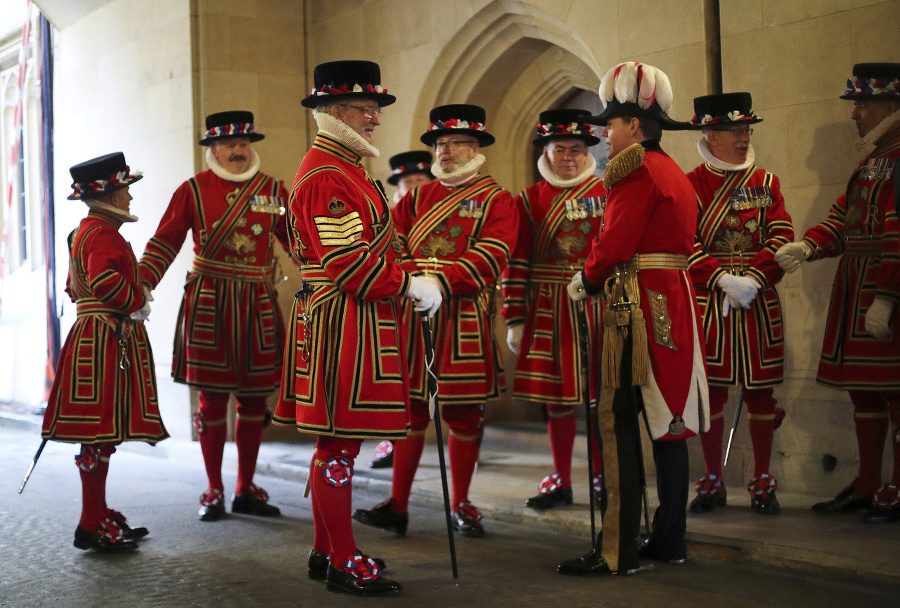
(647, 551)
(765, 506)
(466, 526)
(549, 500)
(881, 515)
(704, 504)
(847, 501)
(213, 512)
(383, 516)
(85, 540)
(248, 504)
(340, 581)
(589, 564)
(317, 567)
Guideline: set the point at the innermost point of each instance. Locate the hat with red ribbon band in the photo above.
(415, 161)
(565, 123)
(724, 110)
(462, 118)
(101, 175)
(342, 80)
(234, 123)
(874, 81)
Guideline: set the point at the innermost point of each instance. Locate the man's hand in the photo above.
(514, 338)
(728, 303)
(738, 289)
(147, 295)
(426, 293)
(878, 318)
(141, 313)
(790, 256)
(576, 288)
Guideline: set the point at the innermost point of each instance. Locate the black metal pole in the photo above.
(438, 431)
(31, 466)
(584, 344)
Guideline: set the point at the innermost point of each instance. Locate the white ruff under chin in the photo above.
(344, 134)
(456, 176)
(556, 181)
(117, 213)
(227, 175)
(721, 165)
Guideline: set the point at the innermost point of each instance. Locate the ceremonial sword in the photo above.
(737, 417)
(31, 466)
(584, 344)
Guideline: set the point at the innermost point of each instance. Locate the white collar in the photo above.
(880, 129)
(227, 175)
(556, 181)
(721, 165)
(457, 176)
(109, 210)
(344, 134)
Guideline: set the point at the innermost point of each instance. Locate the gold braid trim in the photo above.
(623, 163)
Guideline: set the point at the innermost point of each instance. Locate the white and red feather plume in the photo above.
(633, 82)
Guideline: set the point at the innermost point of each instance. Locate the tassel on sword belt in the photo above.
(629, 271)
(91, 307)
(312, 277)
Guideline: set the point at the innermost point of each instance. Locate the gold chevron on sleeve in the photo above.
(338, 231)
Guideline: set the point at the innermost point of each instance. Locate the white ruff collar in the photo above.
(721, 165)
(457, 176)
(556, 181)
(107, 209)
(227, 175)
(344, 134)
(880, 129)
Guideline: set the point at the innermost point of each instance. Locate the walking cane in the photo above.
(436, 415)
(584, 346)
(31, 466)
(737, 418)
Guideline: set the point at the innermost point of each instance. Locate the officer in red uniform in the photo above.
(743, 223)
(408, 170)
(559, 218)
(345, 372)
(458, 230)
(652, 356)
(230, 335)
(861, 350)
(104, 391)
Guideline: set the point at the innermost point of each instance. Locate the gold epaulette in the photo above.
(623, 163)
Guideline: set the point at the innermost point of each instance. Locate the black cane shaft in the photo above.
(584, 344)
(32, 465)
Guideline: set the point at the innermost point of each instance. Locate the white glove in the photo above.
(742, 289)
(576, 288)
(514, 338)
(426, 294)
(878, 318)
(141, 313)
(790, 256)
(147, 295)
(727, 304)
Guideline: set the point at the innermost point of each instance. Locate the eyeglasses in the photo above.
(370, 111)
(453, 144)
(738, 131)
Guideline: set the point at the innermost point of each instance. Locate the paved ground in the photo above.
(244, 561)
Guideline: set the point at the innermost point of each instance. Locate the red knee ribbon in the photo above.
(197, 421)
(88, 459)
(338, 472)
(384, 449)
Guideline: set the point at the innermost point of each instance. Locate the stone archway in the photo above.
(514, 60)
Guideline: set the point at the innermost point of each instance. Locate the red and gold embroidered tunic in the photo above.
(105, 387)
(557, 226)
(345, 368)
(230, 335)
(463, 237)
(862, 228)
(653, 210)
(742, 223)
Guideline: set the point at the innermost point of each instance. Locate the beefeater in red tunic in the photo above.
(559, 216)
(742, 223)
(458, 230)
(652, 352)
(104, 391)
(345, 373)
(230, 336)
(861, 350)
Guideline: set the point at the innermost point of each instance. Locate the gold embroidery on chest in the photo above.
(854, 216)
(232, 196)
(240, 243)
(438, 246)
(568, 244)
(732, 241)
